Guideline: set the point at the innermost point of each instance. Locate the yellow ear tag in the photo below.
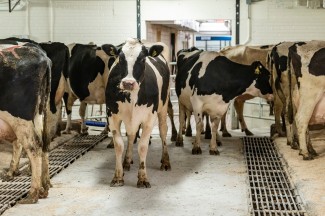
(257, 70)
(154, 53)
(112, 52)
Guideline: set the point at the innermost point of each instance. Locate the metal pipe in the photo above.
(11, 9)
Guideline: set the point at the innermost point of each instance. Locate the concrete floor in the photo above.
(196, 185)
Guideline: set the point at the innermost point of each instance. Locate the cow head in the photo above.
(131, 62)
(262, 78)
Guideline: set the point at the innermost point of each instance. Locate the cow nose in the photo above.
(128, 84)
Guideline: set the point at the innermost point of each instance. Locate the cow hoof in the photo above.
(143, 184)
(248, 133)
(188, 133)
(111, 144)
(307, 157)
(174, 137)
(294, 146)
(29, 200)
(6, 177)
(196, 151)
(207, 136)
(117, 183)
(165, 166)
(214, 152)
(43, 193)
(219, 143)
(127, 165)
(282, 134)
(226, 134)
(179, 144)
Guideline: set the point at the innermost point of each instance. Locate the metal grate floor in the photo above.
(60, 158)
(271, 191)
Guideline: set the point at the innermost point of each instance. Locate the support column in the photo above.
(138, 20)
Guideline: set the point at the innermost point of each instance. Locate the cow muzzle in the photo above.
(128, 85)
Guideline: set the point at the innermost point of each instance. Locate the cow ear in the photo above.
(110, 50)
(257, 67)
(155, 50)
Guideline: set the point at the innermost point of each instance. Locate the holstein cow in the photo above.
(137, 92)
(307, 67)
(59, 55)
(208, 82)
(166, 54)
(25, 88)
(278, 64)
(88, 71)
(185, 60)
(243, 55)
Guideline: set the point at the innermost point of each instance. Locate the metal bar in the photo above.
(11, 9)
(138, 19)
(237, 21)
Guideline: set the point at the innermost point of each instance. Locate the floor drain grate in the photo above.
(271, 191)
(60, 158)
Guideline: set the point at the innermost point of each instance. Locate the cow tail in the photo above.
(45, 109)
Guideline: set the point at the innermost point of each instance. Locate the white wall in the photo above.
(272, 23)
(112, 21)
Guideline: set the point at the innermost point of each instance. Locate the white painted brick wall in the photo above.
(272, 23)
(94, 21)
(114, 21)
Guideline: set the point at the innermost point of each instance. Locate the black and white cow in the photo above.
(137, 92)
(208, 81)
(25, 88)
(246, 55)
(59, 55)
(278, 64)
(185, 60)
(306, 61)
(88, 72)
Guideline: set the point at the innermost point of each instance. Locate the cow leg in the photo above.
(199, 125)
(114, 123)
(239, 107)
(214, 135)
(143, 144)
(82, 113)
(306, 106)
(33, 149)
(278, 110)
(14, 163)
(223, 127)
(128, 158)
(207, 132)
(46, 184)
(171, 117)
(69, 100)
(165, 164)
(179, 140)
(290, 126)
(310, 147)
(111, 143)
(188, 129)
